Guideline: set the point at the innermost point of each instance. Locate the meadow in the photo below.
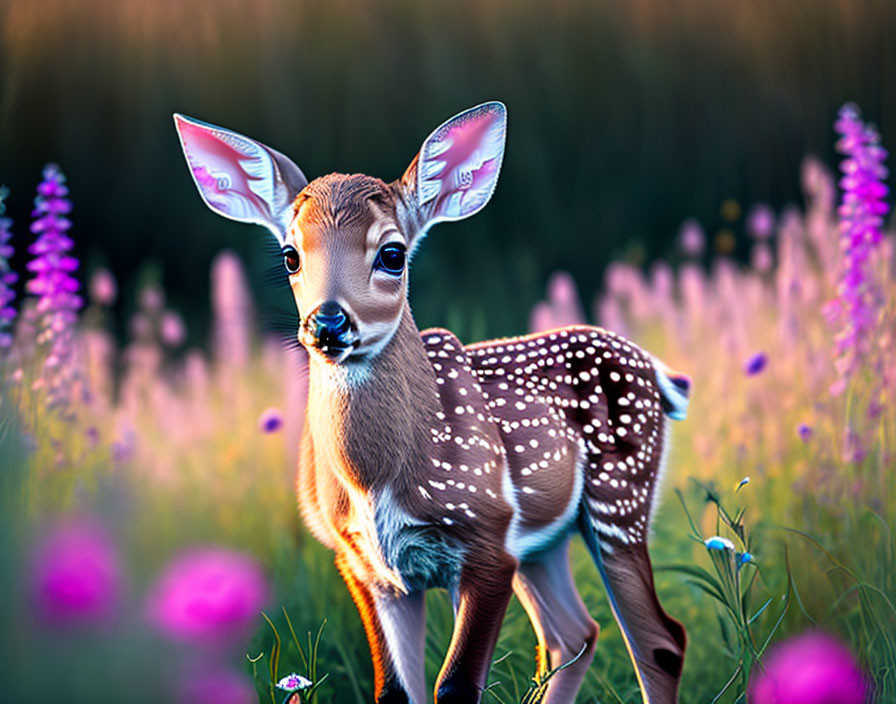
(151, 549)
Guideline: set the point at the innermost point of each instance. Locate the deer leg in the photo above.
(655, 641)
(562, 623)
(483, 594)
(395, 628)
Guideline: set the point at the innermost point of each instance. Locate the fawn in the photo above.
(427, 463)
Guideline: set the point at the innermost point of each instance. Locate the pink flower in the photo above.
(171, 329)
(152, 298)
(762, 258)
(691, 238)
(103, 288)
(207, 594)
(810, 669)
(761, 222)
(76, 574)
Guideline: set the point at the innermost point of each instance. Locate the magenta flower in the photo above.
(755, 364)
(270, 420)
(210, 594)
(217, 686)
(76, 574)
(862, 210)
(810, 669)
(52, 282)
(7, 277)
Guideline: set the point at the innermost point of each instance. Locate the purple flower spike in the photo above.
(809, 669)
(862, 210)
(804, 431)
(53, 283)
(756, 364)
(7, 277)
(270, 420)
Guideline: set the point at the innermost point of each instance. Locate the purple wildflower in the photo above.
(293, 683)
(804, 431)
(810, 669)
(270, 420)
(53, 282)
(7, 277)
(210, 594)
(76, 574)
(755, 364)
(862, 210)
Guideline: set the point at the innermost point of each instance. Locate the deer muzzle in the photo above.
(329, 329)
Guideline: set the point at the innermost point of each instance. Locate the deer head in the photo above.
(346, 239)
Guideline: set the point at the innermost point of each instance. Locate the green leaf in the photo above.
(761, 609)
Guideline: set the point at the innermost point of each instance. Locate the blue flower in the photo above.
(270, 420)
(718, 543)
(755, 364)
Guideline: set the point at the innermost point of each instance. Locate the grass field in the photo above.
(158, 450)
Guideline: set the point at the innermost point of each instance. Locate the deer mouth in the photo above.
(334, 350)
(337, 353)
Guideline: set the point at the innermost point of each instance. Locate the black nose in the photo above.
(329, 323)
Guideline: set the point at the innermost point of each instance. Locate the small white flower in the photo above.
(294, 683)
(717, 542)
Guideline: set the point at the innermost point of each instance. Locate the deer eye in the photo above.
(390, 258)
(291, 259)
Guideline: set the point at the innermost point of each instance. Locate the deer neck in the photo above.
(370, 425)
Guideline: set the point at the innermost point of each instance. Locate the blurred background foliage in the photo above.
(625, 119)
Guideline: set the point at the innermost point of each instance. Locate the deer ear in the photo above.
(454, 174)
(240, 178)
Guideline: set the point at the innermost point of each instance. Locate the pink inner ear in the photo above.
(470, 162)
(212, 158)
